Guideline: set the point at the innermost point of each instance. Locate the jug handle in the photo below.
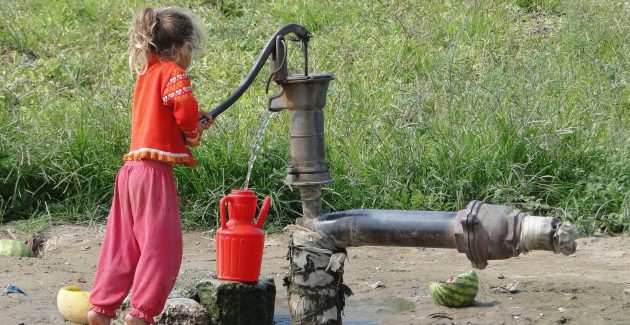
(222, 208)
(263, 212)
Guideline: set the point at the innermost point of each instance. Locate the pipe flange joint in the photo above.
(468, 241)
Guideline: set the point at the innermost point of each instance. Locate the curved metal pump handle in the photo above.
(302, 33)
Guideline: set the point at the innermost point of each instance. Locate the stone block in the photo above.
(236, 303)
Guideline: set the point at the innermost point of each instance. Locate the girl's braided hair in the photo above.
(163, 32)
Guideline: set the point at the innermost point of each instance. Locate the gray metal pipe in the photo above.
(482, 231)
(389, 228)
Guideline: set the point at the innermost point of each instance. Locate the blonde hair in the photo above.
(164, 32)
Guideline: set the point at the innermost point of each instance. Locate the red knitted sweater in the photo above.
(165, 115)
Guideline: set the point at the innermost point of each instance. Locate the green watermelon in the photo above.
(10, 247)
(459, 291)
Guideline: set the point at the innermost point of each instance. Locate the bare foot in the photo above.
(133, 320)
(95, 318)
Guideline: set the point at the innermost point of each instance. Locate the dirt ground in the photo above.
(390, 284)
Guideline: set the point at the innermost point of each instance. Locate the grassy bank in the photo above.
(434, 104)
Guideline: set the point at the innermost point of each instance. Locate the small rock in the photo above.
(509, 288)
(378, 284)
(440, 315)
(183, 311)
(562, 310)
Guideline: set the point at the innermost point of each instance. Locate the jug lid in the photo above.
(242, 192)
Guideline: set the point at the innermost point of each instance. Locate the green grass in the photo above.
(434, 104)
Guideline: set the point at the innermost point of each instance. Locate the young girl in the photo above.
(143, 240)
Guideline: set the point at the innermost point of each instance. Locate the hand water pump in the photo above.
(482, 231)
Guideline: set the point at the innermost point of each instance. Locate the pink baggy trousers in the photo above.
(142, 247)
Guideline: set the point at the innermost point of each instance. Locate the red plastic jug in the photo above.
(240, 241)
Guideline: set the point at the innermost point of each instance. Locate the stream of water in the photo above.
(253, 151)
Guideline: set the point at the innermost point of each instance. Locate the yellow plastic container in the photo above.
(73, 304)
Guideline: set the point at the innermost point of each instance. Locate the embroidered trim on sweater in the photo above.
(178, 88)
(164, 156)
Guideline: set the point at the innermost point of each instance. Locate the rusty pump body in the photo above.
(304, 96)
